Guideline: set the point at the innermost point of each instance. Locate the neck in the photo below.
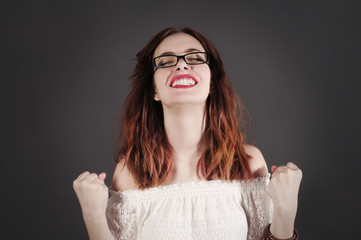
(184, 126)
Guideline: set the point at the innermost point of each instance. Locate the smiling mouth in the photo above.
(183, 81)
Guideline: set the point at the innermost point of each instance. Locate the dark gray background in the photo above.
(294, 63)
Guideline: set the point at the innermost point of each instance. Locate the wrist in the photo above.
(270, 236)
(285, 210)
(93, 217)
(283, 222)
(284, 218)
(98, 228)
(284, 213)
(282, 230)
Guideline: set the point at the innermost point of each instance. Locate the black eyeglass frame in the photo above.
(179, 57)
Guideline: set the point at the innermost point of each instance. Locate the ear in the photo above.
(156, 98)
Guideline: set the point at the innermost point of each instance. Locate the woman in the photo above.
(183, 171)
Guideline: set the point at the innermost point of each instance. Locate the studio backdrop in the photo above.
(295, 65)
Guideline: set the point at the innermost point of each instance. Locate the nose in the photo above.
(182, 64)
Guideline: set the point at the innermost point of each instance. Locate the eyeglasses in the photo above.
(193, 58)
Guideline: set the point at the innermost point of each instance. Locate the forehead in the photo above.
(178, 43)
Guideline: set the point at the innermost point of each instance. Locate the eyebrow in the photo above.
(186, 51)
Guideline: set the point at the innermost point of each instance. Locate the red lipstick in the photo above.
(183, 76)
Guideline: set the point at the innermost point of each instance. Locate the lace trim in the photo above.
(121, 219)
(194, 188)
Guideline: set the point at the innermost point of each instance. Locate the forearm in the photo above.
(283, 189)
(282, 225)
(98, 228)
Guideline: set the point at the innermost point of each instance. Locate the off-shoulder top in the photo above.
(216, 209)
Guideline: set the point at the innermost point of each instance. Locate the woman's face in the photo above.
(174, 85)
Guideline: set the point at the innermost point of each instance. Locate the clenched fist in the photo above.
(92, 194)
(283, 188)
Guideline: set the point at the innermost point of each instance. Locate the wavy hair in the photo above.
(142, 141)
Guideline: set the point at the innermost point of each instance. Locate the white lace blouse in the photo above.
(209, 210)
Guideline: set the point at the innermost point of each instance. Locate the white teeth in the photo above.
(183, 81)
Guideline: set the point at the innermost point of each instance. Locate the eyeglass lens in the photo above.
(172, 60)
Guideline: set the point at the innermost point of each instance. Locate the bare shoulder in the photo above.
(257, 162)
(122, 178)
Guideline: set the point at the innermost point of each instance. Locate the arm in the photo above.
(283, 190)
(93, 196)
(98, 228)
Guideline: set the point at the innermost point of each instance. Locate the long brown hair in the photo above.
(142, 141)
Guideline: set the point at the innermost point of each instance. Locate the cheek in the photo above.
(159, 78)
(207, 75)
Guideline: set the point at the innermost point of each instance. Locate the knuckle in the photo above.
(300, 173)
(93, 175)
(82, 174)
(75, 183)
(83, 184)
